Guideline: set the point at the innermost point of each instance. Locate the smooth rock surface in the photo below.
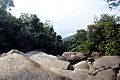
(49, 62)
(107, 61)
(108, 74)
(19, 67)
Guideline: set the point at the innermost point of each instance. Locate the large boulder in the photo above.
(19, 67)
(49, 61)
(107, 62)
(95, 55)
(73, 57)
(109, 74)
(67, 55)
(11, 52)
(84, 67)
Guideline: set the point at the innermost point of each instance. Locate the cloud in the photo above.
(67, 15)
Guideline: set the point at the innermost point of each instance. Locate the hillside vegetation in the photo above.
(103, 36)
(71, 37)
(28, 32)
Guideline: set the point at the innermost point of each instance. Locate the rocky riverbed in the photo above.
(36, 65)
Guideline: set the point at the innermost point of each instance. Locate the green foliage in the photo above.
(81, 36)
(103, 36)
(77, 44)
(71, 37)
(113, 3)
(6, 4)
(28, 33)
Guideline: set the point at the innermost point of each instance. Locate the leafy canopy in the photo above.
(103, 36)
(6, 4)
(113, 3)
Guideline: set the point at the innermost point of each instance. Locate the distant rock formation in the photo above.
(73, 57)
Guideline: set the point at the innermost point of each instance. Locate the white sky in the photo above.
(67, 15)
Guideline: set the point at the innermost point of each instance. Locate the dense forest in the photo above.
(103, 36)
(28, 33)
